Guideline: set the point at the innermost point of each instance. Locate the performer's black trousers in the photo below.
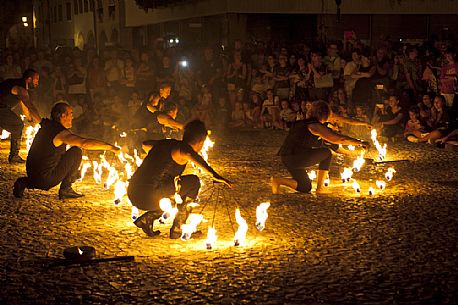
(66, 172)
(14, 125)
(147, 196)
(297, 163)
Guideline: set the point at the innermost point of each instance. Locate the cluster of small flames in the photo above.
(347, 173)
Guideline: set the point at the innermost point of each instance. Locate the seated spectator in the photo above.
(237, 116)
(425, 106)
(392, 118)
(287, 115)
(305, 110)
(439, 121)
(248, 111)
(359, 131)
(439, 114)
(133, 104)
(414, 129)
(256, 106)
(222, 113)
(185, 113)
(270, 112)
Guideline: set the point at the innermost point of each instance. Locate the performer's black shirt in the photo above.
(7, 99)
(159, 167)
(43, 155)
(300, 137)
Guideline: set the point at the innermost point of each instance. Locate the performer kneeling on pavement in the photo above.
(49, 163)
(15, 91)
(304, 147)
(155, 178)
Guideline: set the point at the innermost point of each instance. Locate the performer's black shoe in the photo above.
(146, 221)
(19, 186)
(68, 193)
(15, 159)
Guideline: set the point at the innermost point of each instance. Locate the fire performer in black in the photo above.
(15, 91)
(155, 178)
(304, 147)
(49, 163)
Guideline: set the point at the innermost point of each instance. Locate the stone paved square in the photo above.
(396, 247)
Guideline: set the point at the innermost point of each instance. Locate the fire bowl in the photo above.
(79, 253)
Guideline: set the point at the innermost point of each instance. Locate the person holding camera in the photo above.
(305, 146)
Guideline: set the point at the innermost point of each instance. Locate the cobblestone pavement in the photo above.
(396, 247)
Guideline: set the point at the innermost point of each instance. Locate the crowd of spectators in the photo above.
(409, 91)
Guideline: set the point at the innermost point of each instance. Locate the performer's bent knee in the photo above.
(304, 187)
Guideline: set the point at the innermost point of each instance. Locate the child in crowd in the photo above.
(414, 129)
(305, 110)
(133, 104)
(237, 116)
(287, 115)
(222, 114)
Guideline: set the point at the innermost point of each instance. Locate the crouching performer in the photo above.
(155, 178)
(49, 163)
(304, 147)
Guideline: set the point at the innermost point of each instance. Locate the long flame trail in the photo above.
(381, 149)
(240, 235)
(261, 215)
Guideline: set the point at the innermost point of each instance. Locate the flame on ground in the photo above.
(381, 149)
(191, 226)
(389, 174)
(312, 175)
(207, 145)
(356, 186)
(261, 215)
(240, 235)
(346, 174)
(211, 238)
(30, 133)
(5, 135)
(120, 190)
(371, 191)
(169, 212)
(358, 163)
(380, 184)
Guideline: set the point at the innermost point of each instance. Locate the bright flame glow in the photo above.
(207, 145)
(381, 149)
(138, 160)
(389, 174)
(84, 167)
(312, 175)
(120, 190)
(190, 226)
(97, 171)
(356, 186)
(346, 174)
(240, 235)
(30, 133)
(261, 215)
(371, 191)
(123, 135)
(351, 147)
(211, 238)
(5, 135)
(380, 184)
(80, 252)
(169, 212)
(358, 163)
(135, 213)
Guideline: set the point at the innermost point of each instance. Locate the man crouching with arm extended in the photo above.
(155, 178)
(49, 163)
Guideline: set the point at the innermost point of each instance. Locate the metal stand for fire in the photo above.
(219, 196)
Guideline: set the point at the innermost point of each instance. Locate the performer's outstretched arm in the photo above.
(66, 137)
(189, 155)
(335, 138)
